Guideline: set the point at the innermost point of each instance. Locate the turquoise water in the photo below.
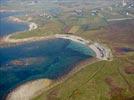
(44, 59)
(8, 27)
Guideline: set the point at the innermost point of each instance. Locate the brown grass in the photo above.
(129, 70)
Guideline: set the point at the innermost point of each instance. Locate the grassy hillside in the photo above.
(100, 81)
(50, 28)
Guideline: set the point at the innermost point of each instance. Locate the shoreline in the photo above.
(102, 52)
(5, 10)
(7, 39)
(31, 25)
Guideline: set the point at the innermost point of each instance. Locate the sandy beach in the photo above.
(29, 90)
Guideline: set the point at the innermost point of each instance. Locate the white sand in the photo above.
(29, 90)
(73, 38)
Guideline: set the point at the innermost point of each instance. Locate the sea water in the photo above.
(55, 58)
(8, 27)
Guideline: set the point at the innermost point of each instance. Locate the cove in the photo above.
(50, 59)
(8, 27)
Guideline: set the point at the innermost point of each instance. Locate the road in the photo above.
(118, 19)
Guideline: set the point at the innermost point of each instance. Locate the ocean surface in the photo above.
(8, 27)
(43, 59)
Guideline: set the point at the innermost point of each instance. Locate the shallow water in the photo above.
(55, 57)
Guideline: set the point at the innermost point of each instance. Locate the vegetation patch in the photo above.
(74, 29)
(129, 70)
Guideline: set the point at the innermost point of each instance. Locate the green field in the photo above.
(56, 26)
(49, 29)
